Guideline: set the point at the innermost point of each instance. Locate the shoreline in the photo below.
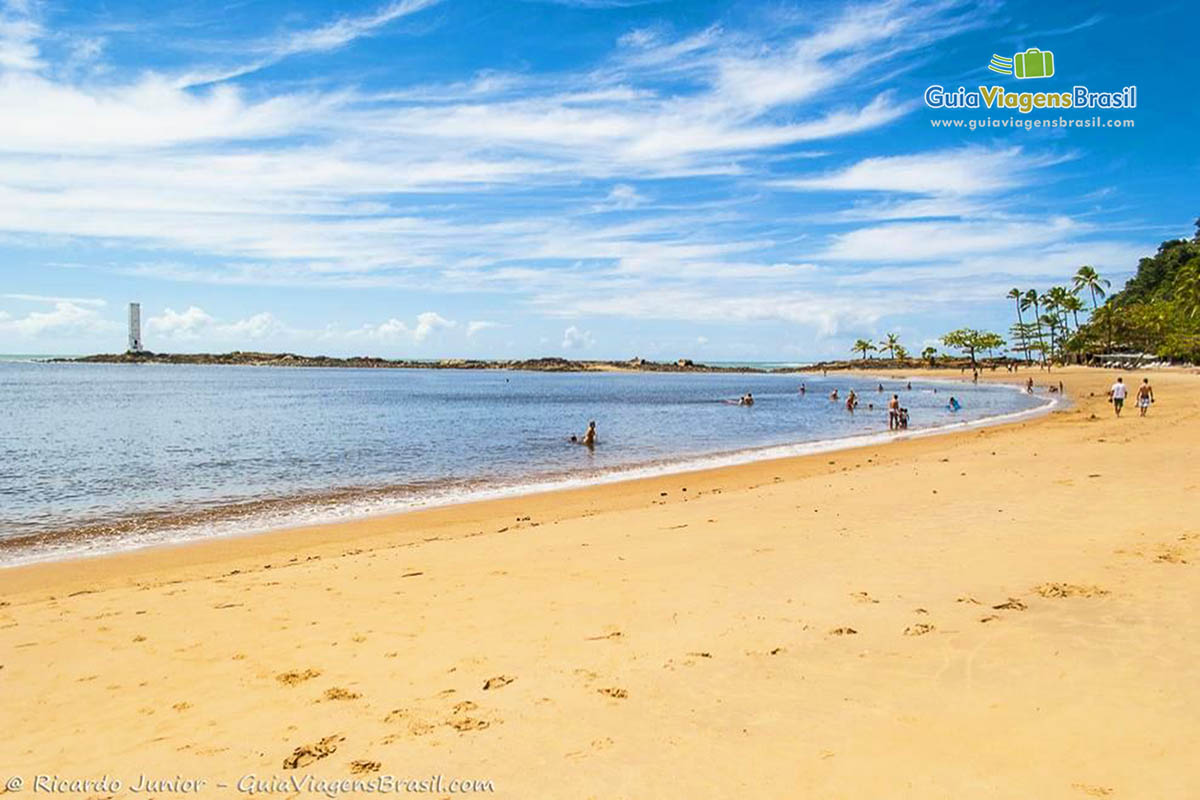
(351, 511)
(881, 621)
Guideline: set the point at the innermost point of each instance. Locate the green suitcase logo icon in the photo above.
(1033, 63)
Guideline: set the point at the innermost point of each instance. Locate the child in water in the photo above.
(589, 437)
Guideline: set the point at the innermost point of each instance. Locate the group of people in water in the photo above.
(898, 414)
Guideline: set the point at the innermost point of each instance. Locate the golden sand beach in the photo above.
(1008, 612)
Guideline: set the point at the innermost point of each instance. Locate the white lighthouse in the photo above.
(135, 327)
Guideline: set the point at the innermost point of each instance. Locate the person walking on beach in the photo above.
(1145, 397)
(1116, 395)
(1029, 386)
(894, 412)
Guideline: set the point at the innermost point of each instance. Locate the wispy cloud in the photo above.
(321, 39)
(964, 171)
(39, 298)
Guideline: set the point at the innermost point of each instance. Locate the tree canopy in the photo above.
(971, 341)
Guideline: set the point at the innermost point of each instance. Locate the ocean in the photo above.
(97, 457)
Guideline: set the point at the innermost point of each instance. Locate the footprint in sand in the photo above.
(863, 597)
(363, 767)
(920, 629)
(296, 677)
(306, 754)
(614, 692)
(1094, 791)
(338, 693)
(1069, 590)
(497, 682)
(990, 618)
(966, 598)
(1011, 604)
(843, 631)
(1171, 555)
(464, 724)
(612, 635)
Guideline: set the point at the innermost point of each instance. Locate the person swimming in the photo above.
(833, 395)
(747, 400)
(954, 405)
(589, 437)
(851, 401)
(803, 389)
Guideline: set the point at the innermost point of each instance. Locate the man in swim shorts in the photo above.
(1145, 397)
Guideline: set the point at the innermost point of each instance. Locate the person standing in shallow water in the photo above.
(894, 412)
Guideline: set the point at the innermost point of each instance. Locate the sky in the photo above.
(722, 181)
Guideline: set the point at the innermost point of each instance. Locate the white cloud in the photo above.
(576, 339)
(19, 32)
(322, 39)
(41, 298)
(621, 197)
(397, 331)
(428, 322)
(964, 171)
(477, 325)
(67, 319)
(195, 324)
(173, 324)
(916, 241)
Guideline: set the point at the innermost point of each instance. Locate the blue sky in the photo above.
(588, 178)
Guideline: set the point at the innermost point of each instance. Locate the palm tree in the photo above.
(1187, 288)
(1057, 302)
(1073, 304)
(1015, 294)
(890, 344)
(1032, 298)
(1052, 322)
(929, 354)
(1086, 277)
(863, 346)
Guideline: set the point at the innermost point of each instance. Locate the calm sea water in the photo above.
(101, 457)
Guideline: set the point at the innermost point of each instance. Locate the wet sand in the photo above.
(1004, 612)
